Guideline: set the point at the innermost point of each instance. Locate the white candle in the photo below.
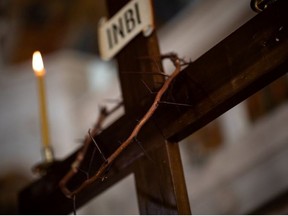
(39, 71)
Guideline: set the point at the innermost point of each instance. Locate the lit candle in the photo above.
(39, 71)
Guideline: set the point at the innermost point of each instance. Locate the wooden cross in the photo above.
(213, 84)
(160, 183)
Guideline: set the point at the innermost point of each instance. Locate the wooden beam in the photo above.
(135, 61)
(243, 63)
(160, 182)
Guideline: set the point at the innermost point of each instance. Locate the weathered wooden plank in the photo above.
(243, 63)
(160, 181)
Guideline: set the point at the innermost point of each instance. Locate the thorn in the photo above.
(90, 163)
(103, 156)
(147, 87)
(148, 73)
(176, 104)
(144, 151)
(83, 171)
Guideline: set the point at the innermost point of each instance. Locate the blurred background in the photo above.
(234, 165)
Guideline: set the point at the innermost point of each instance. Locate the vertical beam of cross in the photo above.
(160, 183)
(159, 180)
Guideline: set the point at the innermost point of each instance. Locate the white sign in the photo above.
(133, 18)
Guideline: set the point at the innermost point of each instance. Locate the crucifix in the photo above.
(214, 83)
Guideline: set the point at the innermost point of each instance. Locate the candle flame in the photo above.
(37, 64)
